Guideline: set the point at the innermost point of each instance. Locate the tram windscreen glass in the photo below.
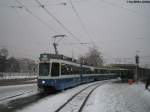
(55, 69)
(44, 69)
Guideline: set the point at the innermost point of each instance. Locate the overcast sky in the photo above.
(117, 28)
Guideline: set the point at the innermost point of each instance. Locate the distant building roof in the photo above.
(126, 66)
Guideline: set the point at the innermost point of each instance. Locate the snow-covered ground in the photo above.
(52, 102)
(111, 97)
(116, 97)
(8, 93)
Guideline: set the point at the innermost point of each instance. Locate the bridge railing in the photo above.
(7, 76)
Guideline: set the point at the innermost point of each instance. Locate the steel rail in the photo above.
(87, 97)
(76, 94)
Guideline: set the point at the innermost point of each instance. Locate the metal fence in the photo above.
(6, 76)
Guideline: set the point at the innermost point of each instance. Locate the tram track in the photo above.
(86, 99)
(82, 96)
(77, 102)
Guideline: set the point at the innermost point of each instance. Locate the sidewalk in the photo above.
(118, 97)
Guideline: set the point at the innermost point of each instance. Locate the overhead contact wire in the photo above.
(51, 15)
(35, 16)
(80, 20)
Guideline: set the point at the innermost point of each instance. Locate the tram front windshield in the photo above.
(44, 69)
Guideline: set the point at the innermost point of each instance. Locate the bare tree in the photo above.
(93, 57)
(12, 65)
(4, 52)
(3, 59)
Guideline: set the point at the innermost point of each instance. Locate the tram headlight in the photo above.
(43, 82)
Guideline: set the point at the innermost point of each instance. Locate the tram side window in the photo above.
(99, 71)
(84, 70)
(96, 71)
(102, 71)
(75, 70)
(55, 69)
(87, 71)
(67, 69)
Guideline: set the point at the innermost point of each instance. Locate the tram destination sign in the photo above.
(44, 57)
(47, 57)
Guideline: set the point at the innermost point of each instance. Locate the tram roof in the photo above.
(48, 56)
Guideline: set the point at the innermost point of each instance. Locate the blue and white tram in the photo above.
(60, 72)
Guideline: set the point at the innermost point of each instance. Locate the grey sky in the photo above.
(117, 28)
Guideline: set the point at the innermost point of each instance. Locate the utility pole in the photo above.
(81, 67)
(55, 43)
(136, 69)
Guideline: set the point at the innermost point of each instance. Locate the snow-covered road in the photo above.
(8, 93)
(111, 97)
